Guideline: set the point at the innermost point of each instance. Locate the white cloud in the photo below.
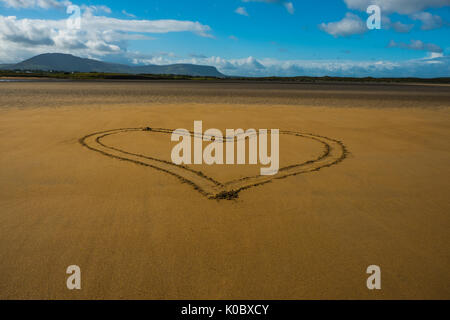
(98, 36)
(242, 11)
(158, 58)
(144, 26)
(432, 66)
(397, 6)
(53, 4)
(397, 26)
(412, 8)
(429, 21)
(416, 45)
(28, 4)
(289, 7)
(91, 10)
(433, 55)
(130, 15)
(349, 25)
(401, 27)
(287, 4)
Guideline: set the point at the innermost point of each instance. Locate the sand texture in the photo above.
(365, 180)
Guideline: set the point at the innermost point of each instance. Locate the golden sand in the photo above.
(139, 233)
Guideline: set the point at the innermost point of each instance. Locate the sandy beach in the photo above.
(141, 233)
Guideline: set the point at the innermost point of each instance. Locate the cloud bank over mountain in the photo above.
(432, 66)
(99, 35)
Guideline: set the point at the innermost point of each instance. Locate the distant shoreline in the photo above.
(14, 76)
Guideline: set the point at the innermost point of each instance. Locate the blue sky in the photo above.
(239, 37)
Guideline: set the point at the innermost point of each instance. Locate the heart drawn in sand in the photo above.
(334, 152)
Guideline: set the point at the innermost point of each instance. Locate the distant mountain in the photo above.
(70, 63)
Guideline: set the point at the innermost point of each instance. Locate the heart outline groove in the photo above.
(334, 152)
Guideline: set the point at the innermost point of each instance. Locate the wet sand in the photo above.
(141, 233)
